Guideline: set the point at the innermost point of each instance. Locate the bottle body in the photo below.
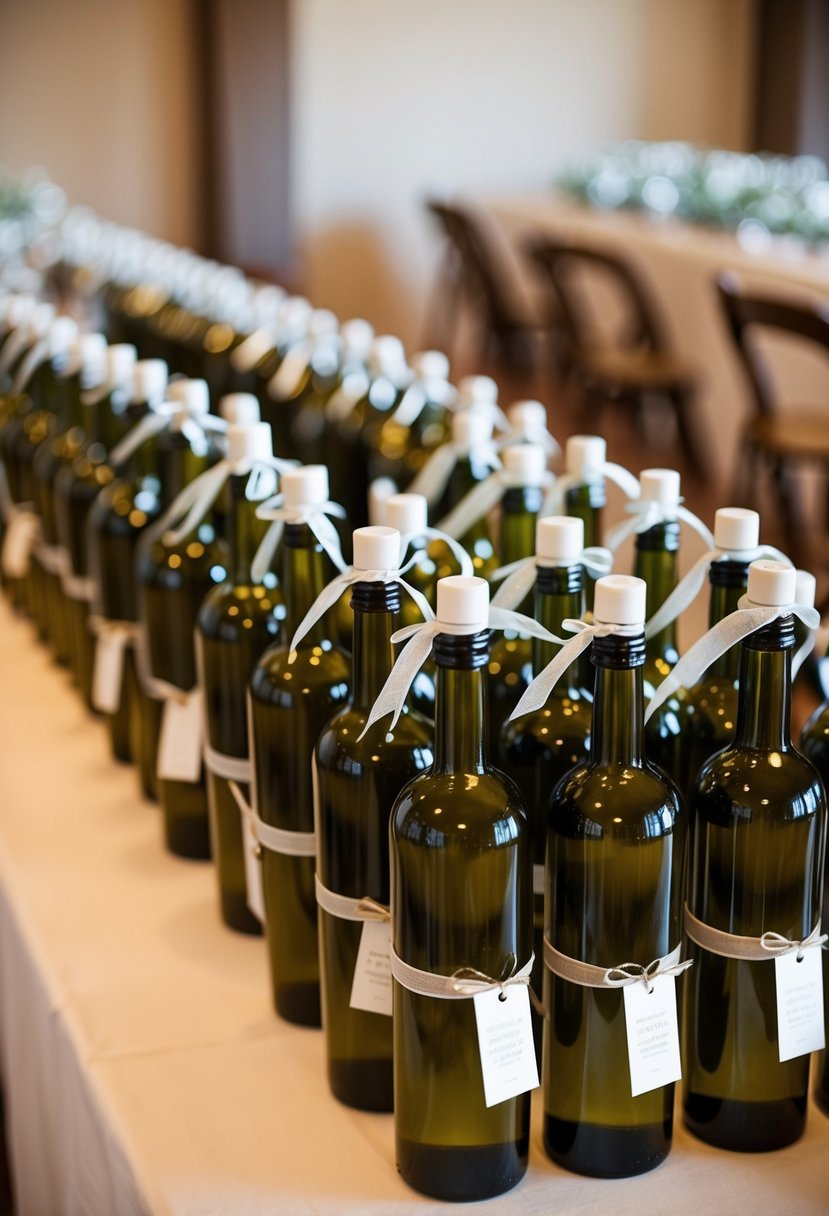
(814, 743)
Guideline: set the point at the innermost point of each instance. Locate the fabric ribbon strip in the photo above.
(35, 356)
(803, 651)
(460, 985)
(77, 586)
(314, 515)
(555, 502)
(420, 394)
(434, 477)
(345, 907)
(195, 500)
(275, 840)
(396, 688)
(419, 541)
(748, 949)
(519, 577)
(646, 514)
(168, 416)
(748, 618)
(538, 879)
(52, 559)
(536, 695)
(588, 975)
(686, 591)
(229, 768)
(480, 501)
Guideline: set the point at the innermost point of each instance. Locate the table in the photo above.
(143, 1068)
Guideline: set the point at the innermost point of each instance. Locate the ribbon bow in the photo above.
(315, 515)
(481, 499)
(172, 416)
(420, 394)
(748, 618)
(538, 435)
(330, 594)
(536, 695)
(689, 588)
(433, 478)
(777, 944)
(396, 688)
(519, 577)
(468, 981)
(646, 513)
(418, 540)
(632, 973)
(195, 500)
(555, 502)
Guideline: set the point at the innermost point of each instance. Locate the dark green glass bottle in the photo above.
(472, 438)
(294, 379)
(615, 864)
(814, 743)
(289, 704)
(357, 781)
(332, 396)
(584, 457)
(461, 897)
(756, 865)
(236, 622)
(420, 423)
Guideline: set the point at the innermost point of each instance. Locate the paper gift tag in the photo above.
(253, 869)
(371, 989)
(505, 1042)
(108, 672)
(652, 1034)
(800, 1028)
(21, 535)
(180, 741)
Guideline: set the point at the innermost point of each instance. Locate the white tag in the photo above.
(505, 1042)
(180, 741)
(253, 870)
(372, 989)
(20, 539)
(285, 381)
(652, 1034)
(800, 1028)
(108, 673)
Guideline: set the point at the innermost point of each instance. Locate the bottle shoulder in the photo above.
(628, 802)
(314, 670)
(561, 720)
(437, 808)
(340, 745)
(738, 785)
(171, 567)
(240, 610)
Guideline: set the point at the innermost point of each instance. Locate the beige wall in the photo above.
(101, 93)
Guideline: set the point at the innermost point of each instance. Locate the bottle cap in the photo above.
(41, 318)
(559, 538)
(241, 409)
(267, 301)
(529, 417)
(379, 491)
(584, 455)
(462, 600)
(149, 380)
(430, 365)
(358, 336)
(620, 600)
(387, 356)
(805, 588)
(471, 428)
(192, 394)
(305, 486)
(252, 442)
(409, 513)
(771, 583)
(62, 333)
(736, 528)
(294, 316)
(476, 390)
(321, 322)
(526, 463)
(376, 548)
(20, 311)
(121, 359)
(89, 356)
(659, 485)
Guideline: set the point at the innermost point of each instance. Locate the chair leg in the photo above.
(682, 399)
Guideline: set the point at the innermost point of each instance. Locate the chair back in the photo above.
(480, 265)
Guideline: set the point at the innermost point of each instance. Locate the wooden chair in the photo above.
(633, 364)
(774, 442)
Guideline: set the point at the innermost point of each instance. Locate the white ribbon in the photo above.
(555, 502)
(686, 591)
(648, 514)
(537, 435)
(519, 577)
(355, 384)
(423, 392)
(195, 500)
(14, 347)
(168, 416)
(463, 983)
(419, 543)
(393, 694)
(52, 559)
(78, 586)
(481, 499)
(802, 653)
(748, 618)
(23, 530)
(332, 593)
(434, 477)
(37, 354)
(536, 695)
(275, 840)
(345, 907)
(229, 768)
(313, 515)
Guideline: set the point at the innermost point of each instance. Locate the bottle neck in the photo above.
(765, 704)
(461, 703)
(586, 501)
(303, 578)
(245, 531)
(519, 511)
(728, 583)
(179, 466)
(559, 596)
(656, 563)
(375, 607)
(617, 736)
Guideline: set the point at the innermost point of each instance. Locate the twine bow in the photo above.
(584, 632)
(195, 425)
(776, 944)
(195, 500)
(434, 477)
(633, 973)
(519, 577)
(748, 618)
(314, 515)
(646, 513)
(481, 499)
(555, 503)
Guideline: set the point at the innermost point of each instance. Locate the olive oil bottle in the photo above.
(814, 743)
(419, 424)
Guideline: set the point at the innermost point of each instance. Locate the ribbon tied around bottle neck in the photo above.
(418, 542)
(481, 499)
(519, 577)
(422, 392)
(315, 515)
(748, 618)
(584, 632)
(555, 503)
(196, 426)
(647, 513)
(433, 478)
(195, 500)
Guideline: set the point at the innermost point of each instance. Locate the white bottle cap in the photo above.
(528, 417)
(430, 365)
(149, 380)
(805, 587)
(559, 538)
(526, 463)
(409, 513)
(194, 395)
(376, 548)
(659, 485)
(476, 390)
(267, 301)
(62, 333)
(358, 336)
(89, 353)
(620, 600)
(387, 356)
(471, 428)
(584, 455)
(121, 359)
(305, 486)
(253, 442)
(240, 409)
(20, 311)
(321, 322)
(379, 491)
(40, 319)
(294, 316)
(736, 528)
(463, 600)
(771, 583)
